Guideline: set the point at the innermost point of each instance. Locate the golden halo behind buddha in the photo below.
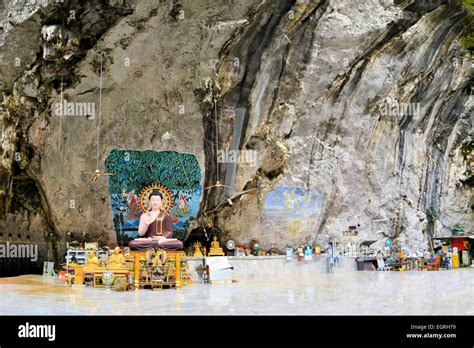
(145, 196)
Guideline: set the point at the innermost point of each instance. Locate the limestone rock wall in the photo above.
(353, 113)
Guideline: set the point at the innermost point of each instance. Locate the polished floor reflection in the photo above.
(443, 292)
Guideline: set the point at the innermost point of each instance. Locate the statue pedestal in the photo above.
(216, 252)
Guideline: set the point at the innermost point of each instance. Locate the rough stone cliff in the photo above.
(344, 113)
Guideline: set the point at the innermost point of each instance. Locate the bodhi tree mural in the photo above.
(135, 171)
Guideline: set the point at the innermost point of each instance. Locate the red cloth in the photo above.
(458, 243)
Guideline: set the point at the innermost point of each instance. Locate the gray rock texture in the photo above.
(357, 113)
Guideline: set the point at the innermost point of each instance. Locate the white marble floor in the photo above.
(404, 293)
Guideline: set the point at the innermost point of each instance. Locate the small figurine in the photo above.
(117, 260)
(289, 253)
(92, 263)
(215, 250)
(317, 249)
(92, 260)
(308, 253)
(68, 279)
(169, 272)
(239, 251)
(158, 261)
(197, 250)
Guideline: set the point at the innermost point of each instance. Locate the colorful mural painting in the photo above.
(137, 170)
(293, 208)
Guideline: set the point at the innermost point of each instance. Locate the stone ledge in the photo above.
(275, 266)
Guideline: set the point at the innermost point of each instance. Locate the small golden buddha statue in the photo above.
(215, 250)
(117, 260)
(92, 263)
(92, 260)
(159, 259)
(68, 279)
(197, 250)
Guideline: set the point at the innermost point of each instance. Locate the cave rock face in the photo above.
(315, 115)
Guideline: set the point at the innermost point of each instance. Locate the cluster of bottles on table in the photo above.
(254, 249)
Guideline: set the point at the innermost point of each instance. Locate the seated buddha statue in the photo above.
(92, 263)
(155, 228)
(215, 250)
(117, 260)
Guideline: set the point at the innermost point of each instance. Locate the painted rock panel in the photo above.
(135, 171)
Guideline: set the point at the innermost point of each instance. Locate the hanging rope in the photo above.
(217, 137)
(97, 172)
(215, 98)
(100, 112)
(60, 116)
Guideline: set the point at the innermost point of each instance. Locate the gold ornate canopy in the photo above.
(145, 196)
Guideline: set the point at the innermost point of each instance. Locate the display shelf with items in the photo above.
(79, 257)
(76, 256)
